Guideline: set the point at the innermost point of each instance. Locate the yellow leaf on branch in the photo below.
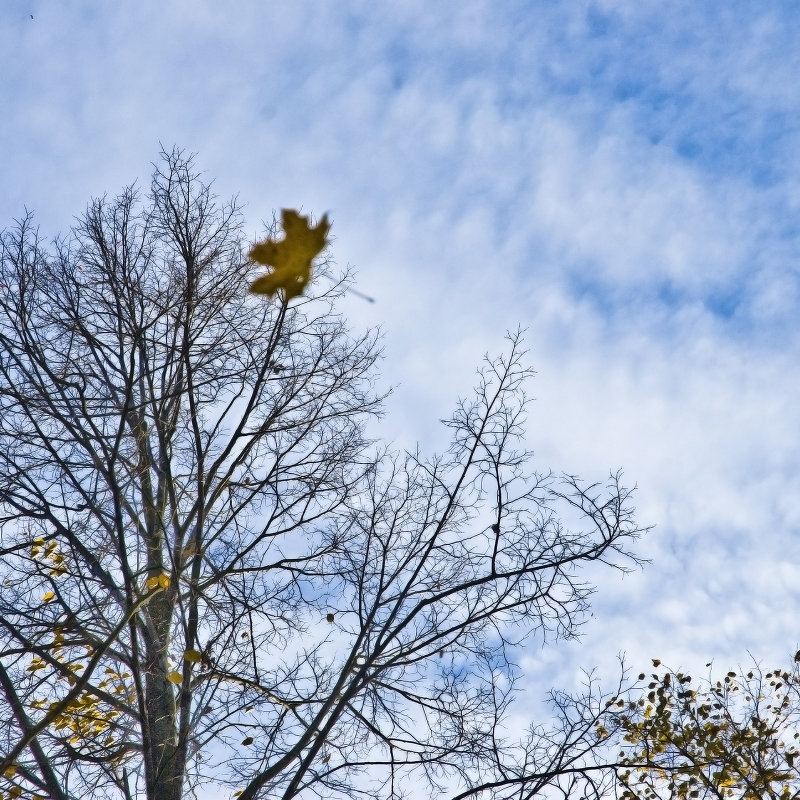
(291, 257)
(193, 656)
(175, 677)
(158, 580)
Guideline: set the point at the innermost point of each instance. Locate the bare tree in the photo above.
(211, 576)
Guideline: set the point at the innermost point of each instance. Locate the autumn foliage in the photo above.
(732, 737)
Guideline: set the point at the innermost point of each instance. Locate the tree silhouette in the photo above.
(210, 575)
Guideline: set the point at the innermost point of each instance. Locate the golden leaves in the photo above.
(291, 257)
(51, 553)
(157, 581)
(685, 737)
(193, 656)
(175, 677)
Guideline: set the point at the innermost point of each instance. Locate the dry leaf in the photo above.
(291, 257)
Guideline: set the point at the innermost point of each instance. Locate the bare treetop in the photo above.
(210, 575)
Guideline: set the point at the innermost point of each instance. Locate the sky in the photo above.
(621, 178)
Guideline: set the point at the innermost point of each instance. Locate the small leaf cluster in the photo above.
(88, 720)
(734, 737)
(49, 552)
(13, 789)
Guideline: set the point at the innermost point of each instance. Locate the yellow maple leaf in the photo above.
(291, 257)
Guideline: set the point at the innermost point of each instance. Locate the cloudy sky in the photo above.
(620, 177)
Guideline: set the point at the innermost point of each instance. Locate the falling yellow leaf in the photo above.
(175, 677)
(193, 656)
(291, 257)
(48, 597)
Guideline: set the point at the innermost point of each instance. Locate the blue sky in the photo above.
(620, 177)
